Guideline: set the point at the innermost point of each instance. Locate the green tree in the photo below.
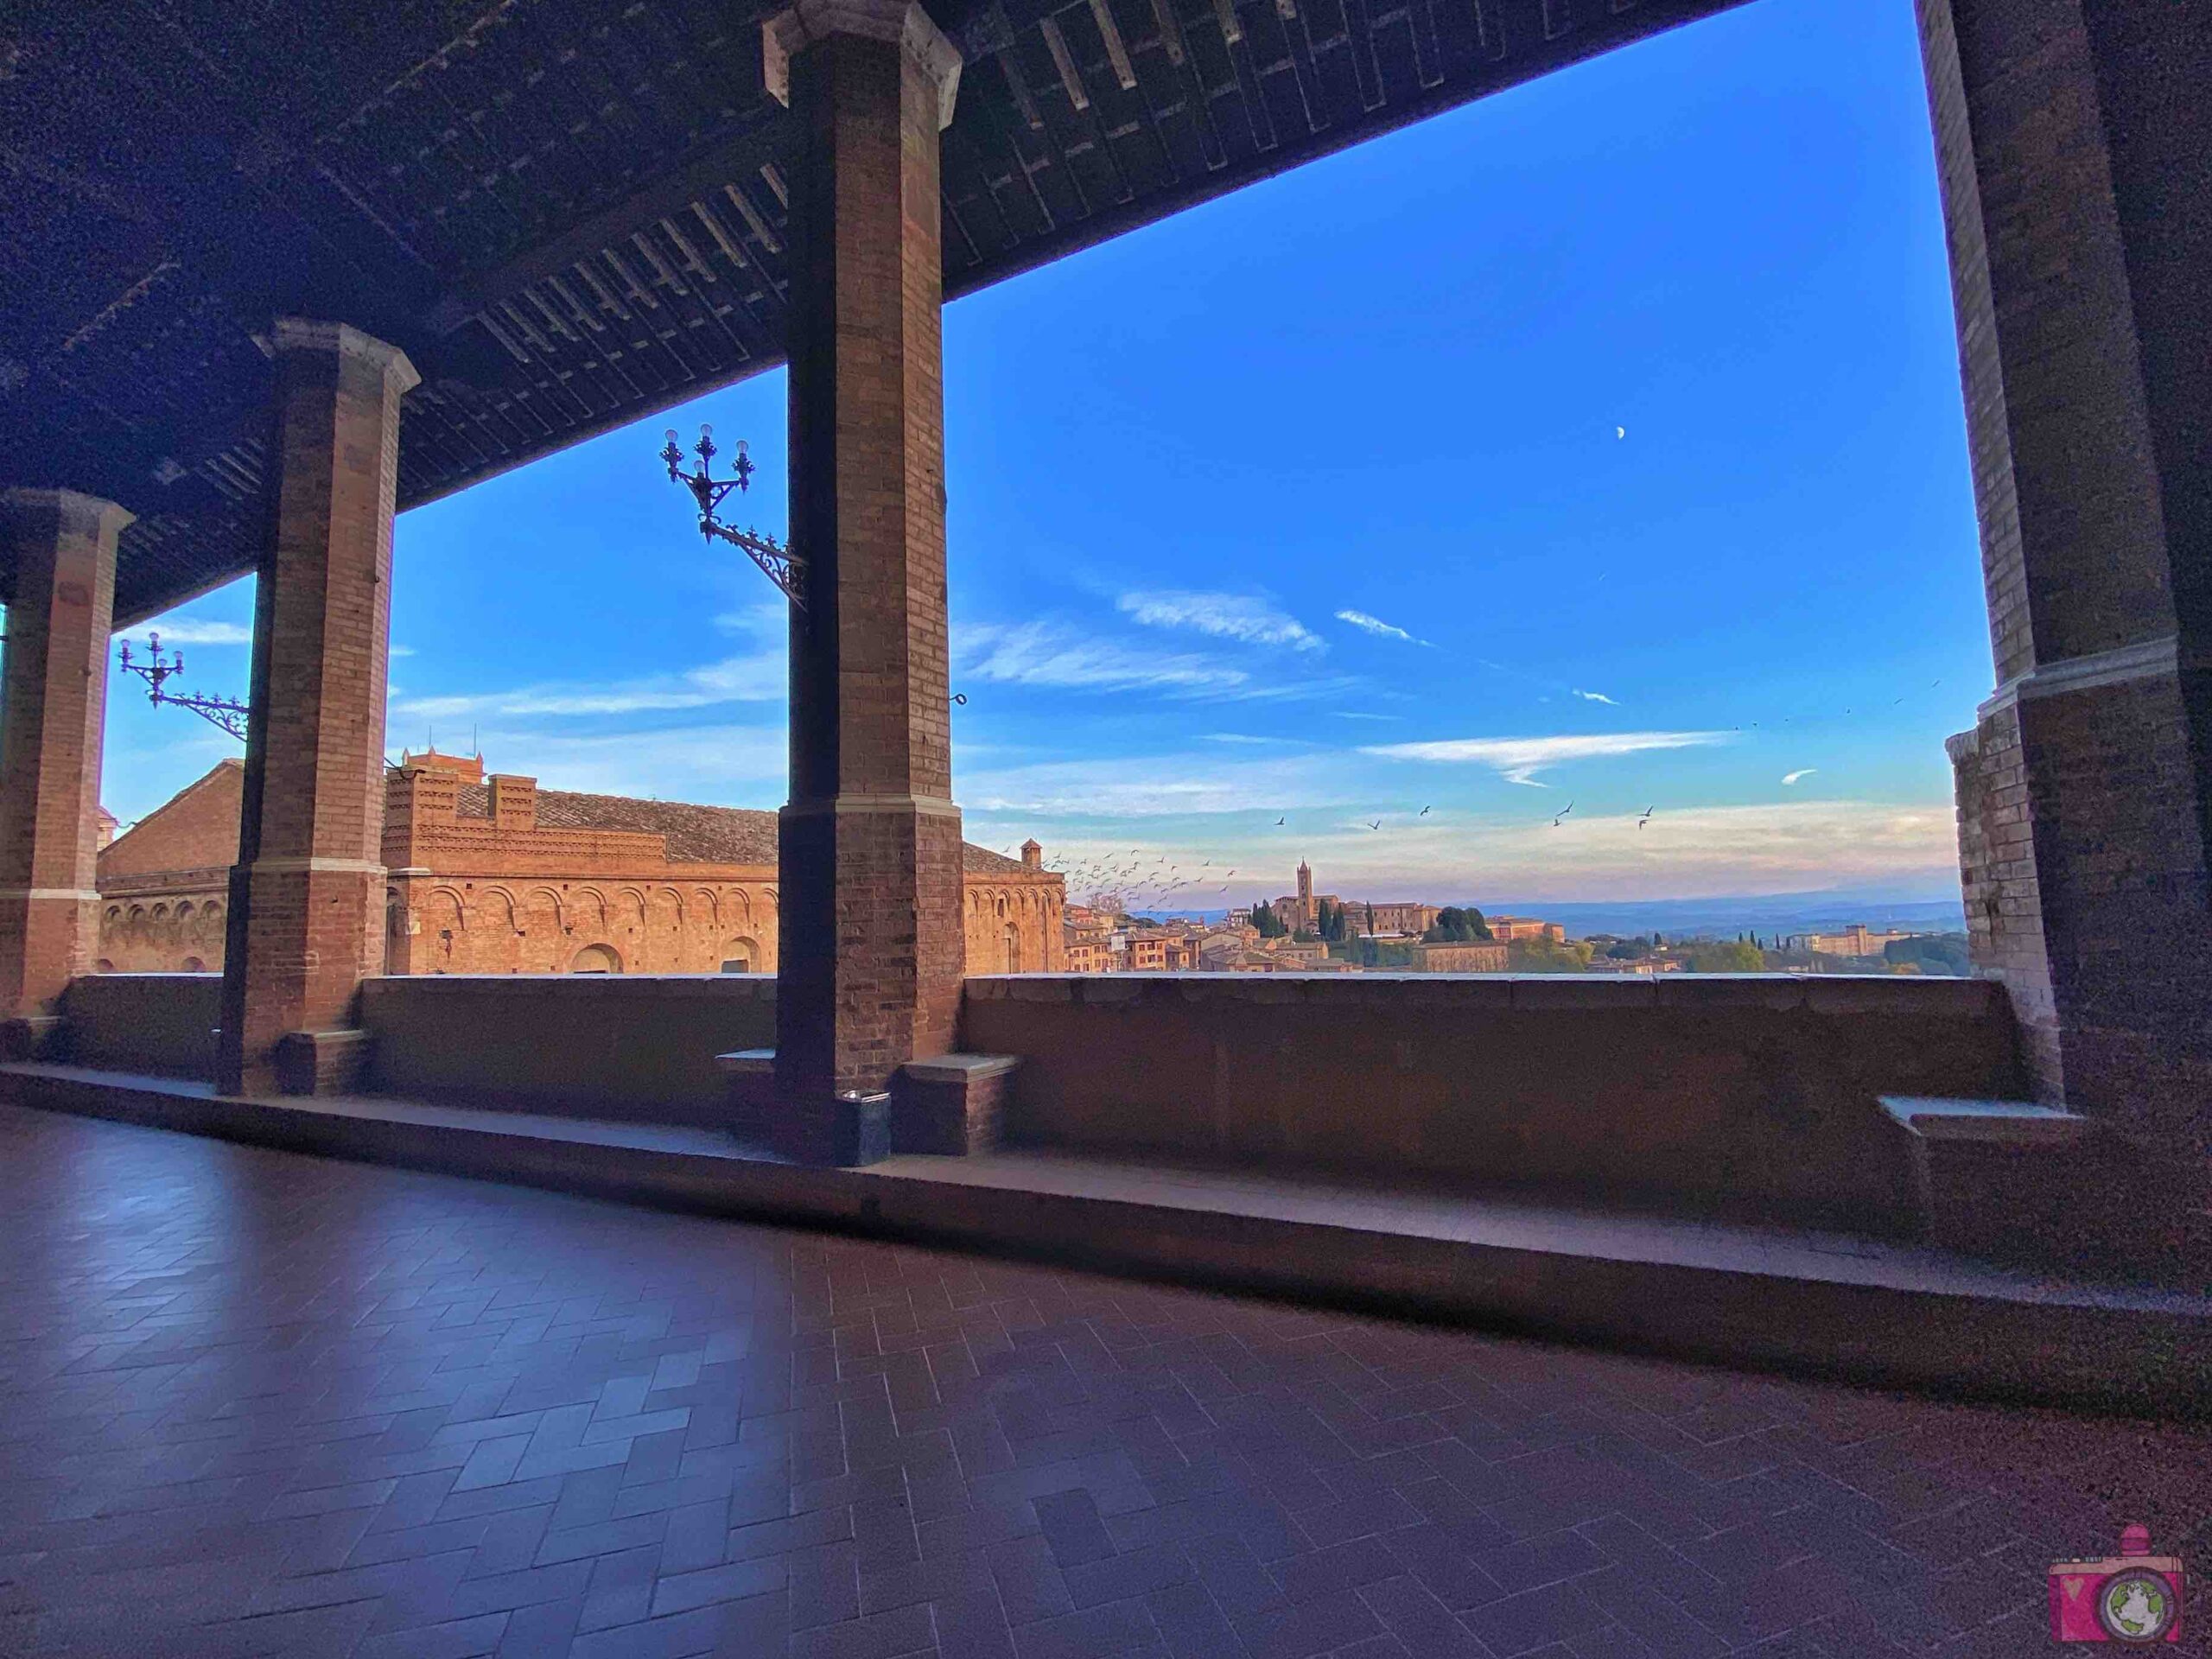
(1933, 953)
(1269, 924)
(1547, 957)
(1456, 925)
(1725, 957)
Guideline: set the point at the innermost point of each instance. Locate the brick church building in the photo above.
(498, 876)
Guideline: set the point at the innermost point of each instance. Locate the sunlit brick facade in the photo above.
(494, 875)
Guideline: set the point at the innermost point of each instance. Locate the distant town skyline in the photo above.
(1646, 499)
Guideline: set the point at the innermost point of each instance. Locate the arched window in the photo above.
(194, 965)
(1012, 950)
(740, 956)
(596, 959)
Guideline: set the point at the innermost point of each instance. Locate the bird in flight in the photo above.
(1646, 818)
(1378, 824)
(1278, 823)
(1802, 772)
(1424, 812)
(1563, 811)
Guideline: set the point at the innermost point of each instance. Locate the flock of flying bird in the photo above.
(1129, 872)
(1115, 872)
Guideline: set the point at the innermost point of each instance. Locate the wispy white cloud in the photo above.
(401, 650)
(1802, 772)
(1360, 713)
(183, 630)
(1692, 851)
(1597, 696)
(737, 679)
(1152, 787)
(1377, 626)
(723, 765)
(1244, 618)
(1043, 653)
(756, 675)
(1242, 737)
(1518, 759)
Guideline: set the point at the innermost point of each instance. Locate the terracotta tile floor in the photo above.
(252, 1402)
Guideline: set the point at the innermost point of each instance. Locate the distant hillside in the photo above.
(1788, 913)
(1725, 917)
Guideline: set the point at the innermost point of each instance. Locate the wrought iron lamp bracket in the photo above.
(777, 562)
(226, 712)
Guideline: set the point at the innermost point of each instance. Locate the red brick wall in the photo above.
(2069, 143)
(469, 896)
(1997, 875)
(306, 911)
(870, 859)
(62, 549)
(196, 829)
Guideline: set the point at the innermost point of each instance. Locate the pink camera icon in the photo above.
(2134, 1598)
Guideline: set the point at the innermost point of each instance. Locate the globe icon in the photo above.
(2135, 1607)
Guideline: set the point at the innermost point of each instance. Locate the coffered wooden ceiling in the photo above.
(570, 212)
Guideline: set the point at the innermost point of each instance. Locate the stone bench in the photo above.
(948, 1104)
(2015, 1180)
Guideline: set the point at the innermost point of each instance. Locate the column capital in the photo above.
(86, 514)
(788, 33)
(306, 334)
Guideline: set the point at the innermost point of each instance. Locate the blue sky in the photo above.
(1597, 443)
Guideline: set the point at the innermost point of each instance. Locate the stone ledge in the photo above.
(1826, 993)
(2007, 1122)
(1854, 1310)
(587, 988)
(320, 1062)
(960, 1068)
(950, 1104)
(2013, 1180)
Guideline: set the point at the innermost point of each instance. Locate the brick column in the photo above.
(2069, 139)
(871, 954)
(306, 921)
(53, 711)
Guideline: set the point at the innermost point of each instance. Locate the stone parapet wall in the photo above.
(163, 1024)
(639, 1048)
(1752, 1097)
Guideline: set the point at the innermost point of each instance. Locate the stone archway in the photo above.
(596, 959)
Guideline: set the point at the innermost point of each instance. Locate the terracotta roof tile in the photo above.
(693, 834)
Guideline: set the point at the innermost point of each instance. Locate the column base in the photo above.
(845, 1131)
(31, 1036)
(320, 1062)
(950, 1104)
(749, 1083)
(842, 1131)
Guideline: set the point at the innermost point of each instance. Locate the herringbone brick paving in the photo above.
(254, 1403)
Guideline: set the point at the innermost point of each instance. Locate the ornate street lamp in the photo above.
(226, 712)
(782, 566)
